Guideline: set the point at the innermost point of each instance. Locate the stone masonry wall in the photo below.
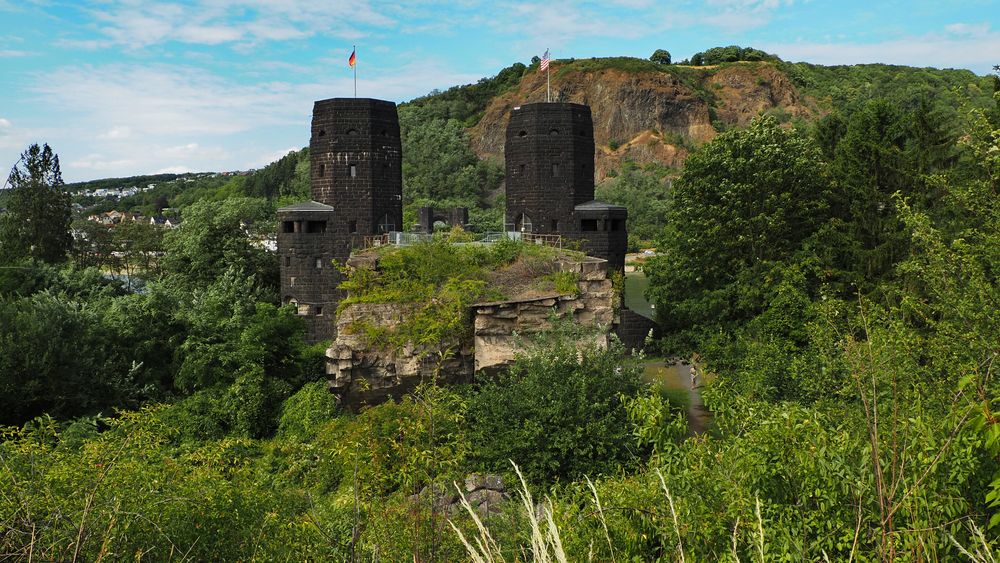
(500, 326)
(362, 373)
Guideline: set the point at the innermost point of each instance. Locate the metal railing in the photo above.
(397, 238)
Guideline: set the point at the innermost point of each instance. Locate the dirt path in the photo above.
(677, 375)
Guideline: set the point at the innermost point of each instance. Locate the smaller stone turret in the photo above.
(309, 277)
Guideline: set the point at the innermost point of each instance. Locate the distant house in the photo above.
(165, 222)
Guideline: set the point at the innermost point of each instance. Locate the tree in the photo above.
(559, 412)
(744, 205)
(660, 56)
(36, 224)
(218, 236)
(870, 165)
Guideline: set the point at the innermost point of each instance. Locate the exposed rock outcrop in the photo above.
(484, 493)
(648, 116)
(500, 325)
(363, 371)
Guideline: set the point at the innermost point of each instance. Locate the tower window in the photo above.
(319, 310)
(384, 133)
(322, 132)
(554, 132)
(522, 170)
(319, 263)
(555, 170)
(616, 224)
(315, 226)
(288, 261)
(322, 170)
(288, 226)
(522, 133)
(352, 131)
(352, 226)
(291, 281)
(354, 171)
(588, 224)
(555, 225)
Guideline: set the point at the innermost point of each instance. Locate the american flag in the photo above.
(545, 61)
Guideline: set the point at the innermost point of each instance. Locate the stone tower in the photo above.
(549, 153)
(357, 167)
(357, 187)
(549, 156)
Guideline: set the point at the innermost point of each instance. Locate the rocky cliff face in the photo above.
(648, 116)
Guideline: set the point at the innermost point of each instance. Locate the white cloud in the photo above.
(734, 16)
(213, 22)
(175, 169)
(117, 132)
(4, 122)
(99, 162)
(13, 53)
(557, 24)
(175, 117)
(269, 157)
(975, 51)
(750, 5)
(973, 29)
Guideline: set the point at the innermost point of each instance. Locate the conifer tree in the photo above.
(36, 222)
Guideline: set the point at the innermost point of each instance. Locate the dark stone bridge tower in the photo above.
(357, 187)
(357, 166)
(549, 154)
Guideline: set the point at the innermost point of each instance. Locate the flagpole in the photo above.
(548, 80)
(355, 65)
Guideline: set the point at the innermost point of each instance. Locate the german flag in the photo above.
(353, 59)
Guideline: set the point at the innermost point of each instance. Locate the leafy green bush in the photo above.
(559, 413)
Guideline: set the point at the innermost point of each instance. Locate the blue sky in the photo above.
(123, 87)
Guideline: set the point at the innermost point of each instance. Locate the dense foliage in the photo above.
(36, 221)
(744, 205)
(559, 412)
(645, 192)
(730, 54)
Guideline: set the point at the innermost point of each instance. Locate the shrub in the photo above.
(558, 413)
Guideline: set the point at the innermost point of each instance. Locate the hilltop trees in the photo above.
(731, 54)
(36, 224)
(661, 56)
